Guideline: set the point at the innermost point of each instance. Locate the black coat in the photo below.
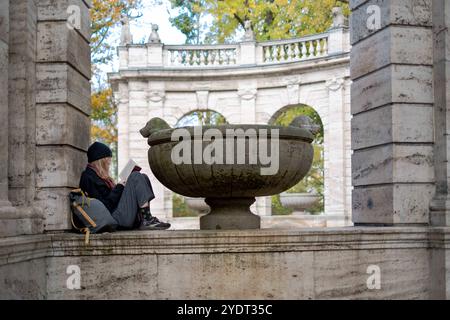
(96, 188)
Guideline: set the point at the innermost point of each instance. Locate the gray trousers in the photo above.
(138, 191)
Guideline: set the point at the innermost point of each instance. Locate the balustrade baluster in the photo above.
(209, 57)
(325, 47)
(201, 57)
(282, 52)
(172, 57)
(304, 51)
(297, 50)
(266, 51)
(291, 49)
(319, 47)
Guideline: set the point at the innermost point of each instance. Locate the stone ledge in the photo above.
(235, 72)
(23, 248)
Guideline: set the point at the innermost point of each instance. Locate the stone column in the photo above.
(440, 206)
(161, 206)
(392, 107)
(122, 100)
(248, 93)
(6, 209)
(248, 104)
(63, 93)
(335, 178)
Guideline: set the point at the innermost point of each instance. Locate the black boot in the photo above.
(148, 222)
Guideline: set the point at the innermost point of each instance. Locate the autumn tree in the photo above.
(270, 19)
(105, 17)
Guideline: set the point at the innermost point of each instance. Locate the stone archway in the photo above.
(313, 183)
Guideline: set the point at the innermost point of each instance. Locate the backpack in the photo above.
(89, 215)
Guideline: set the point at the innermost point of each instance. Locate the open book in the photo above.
(130, 167)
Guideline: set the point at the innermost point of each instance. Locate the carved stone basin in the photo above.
(299, 202)
(228, 183)
(197, 204)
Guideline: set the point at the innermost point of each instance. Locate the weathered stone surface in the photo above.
(59, 166)
(409, 123)
(440, 213)
(4, 21)
(3, 115)
(393, 84)
(24, 281)
(135, 277)
(392, 204)
(60, 83)
(55, 205)
(349, 272)
(266, 264)
(59, 10)
(393, 163)
(293, 280)
(56, 42)
(62, 124)
(407, 46)
(398, 12)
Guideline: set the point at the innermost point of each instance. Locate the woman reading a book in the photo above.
(128, 201)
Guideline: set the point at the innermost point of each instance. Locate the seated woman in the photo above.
(128, 201)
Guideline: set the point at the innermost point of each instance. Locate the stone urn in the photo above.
(229, 165)
(197, 204)
(299, 202)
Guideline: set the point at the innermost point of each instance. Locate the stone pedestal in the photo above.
(230, 214)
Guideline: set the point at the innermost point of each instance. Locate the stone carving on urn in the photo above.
(334, 84)
(247, 94)
(156, 96)
(154, 36)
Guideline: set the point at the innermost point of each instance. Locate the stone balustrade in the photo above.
(295, 49)
(201, 56)
(245, 53)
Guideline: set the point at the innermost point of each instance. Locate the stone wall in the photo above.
(47, 109)
(392, 106)
(261, 264)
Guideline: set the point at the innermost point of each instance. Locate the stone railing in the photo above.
(200, 56)
(246, 53)
(295, 49)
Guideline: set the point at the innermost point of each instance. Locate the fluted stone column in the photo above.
(392, 107)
